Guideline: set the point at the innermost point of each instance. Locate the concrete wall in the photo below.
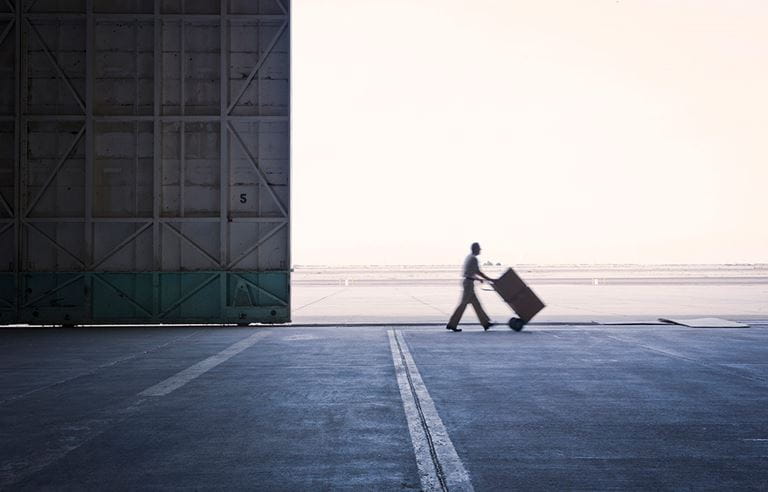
(144, 161)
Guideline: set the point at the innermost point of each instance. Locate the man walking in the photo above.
(471, 273)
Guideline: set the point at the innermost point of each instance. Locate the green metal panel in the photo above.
(7, 298)
(149, 297)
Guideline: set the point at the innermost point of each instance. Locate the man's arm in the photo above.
(486, 277)
(479, 275)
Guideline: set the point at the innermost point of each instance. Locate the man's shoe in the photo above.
(487, 327)
(454, 328)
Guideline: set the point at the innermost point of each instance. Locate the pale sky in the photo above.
(590, 131)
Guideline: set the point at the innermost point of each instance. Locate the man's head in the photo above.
(475, 249)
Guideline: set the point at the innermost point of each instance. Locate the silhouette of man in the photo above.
(471, 273)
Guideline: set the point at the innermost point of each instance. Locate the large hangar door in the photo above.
(145, 161)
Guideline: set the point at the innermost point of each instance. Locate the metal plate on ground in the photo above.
(632, 323)
(705, 323)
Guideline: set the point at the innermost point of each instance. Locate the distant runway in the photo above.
(572, 293)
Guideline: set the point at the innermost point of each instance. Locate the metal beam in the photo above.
(150, 220)
(183, 126)
(157, 260)
(289, 233)
(55, 117)
(129, 220)
(14, 223)
(20, 129)
(225, 164)
(136, 137)
(157, 148)
(196, 118)
(281, 220)
(90, 137)
(127, 17)
(136, 123)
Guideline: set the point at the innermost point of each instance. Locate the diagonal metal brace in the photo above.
(7, 303)
(253, 247)
(30, 5)
(262, 290)
(258, 65)
(262, 176)
(6, 30)
(123, 294)
(282, 7)
(54, 290)
(56, 170)
(192, 243)
(56, 66)
(189, 294)
(6, 205)
(56, 244)
(120, 246)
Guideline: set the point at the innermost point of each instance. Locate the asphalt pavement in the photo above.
(384, 408)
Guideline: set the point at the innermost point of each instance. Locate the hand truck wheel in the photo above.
(516, 324)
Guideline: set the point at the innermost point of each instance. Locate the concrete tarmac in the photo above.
(322, 408)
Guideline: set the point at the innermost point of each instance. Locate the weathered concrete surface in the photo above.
(603, 409)
(319, 408)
